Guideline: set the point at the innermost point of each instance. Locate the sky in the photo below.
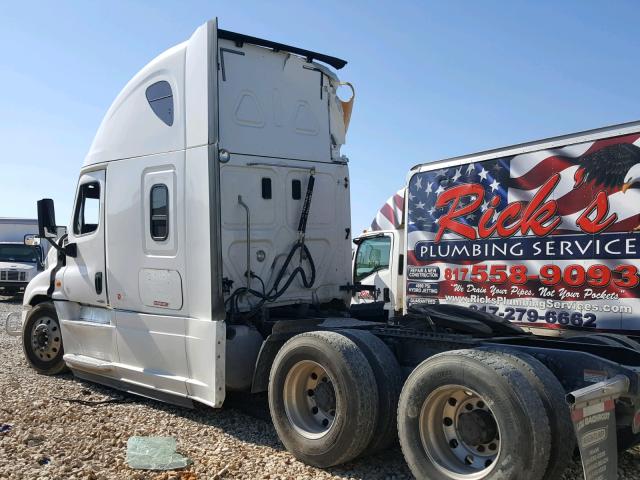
(433, 79)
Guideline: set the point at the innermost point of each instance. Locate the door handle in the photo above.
(98, 282)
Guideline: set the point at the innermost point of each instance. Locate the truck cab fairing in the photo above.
(141, 304)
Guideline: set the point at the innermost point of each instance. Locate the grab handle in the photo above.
(246, 207)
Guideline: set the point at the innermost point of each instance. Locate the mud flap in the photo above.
(594, 421)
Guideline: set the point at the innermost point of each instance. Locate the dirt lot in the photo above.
(53, 438)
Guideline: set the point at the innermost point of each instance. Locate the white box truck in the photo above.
(543, 234)
(20, 261)
(209, 250)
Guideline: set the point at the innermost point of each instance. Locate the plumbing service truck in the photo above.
(209, 250)
(543, 234)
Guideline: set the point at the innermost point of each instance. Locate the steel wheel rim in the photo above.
(451, 421)
(46, 339)
(309, 399)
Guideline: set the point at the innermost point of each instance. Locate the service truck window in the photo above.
(159, 212)
(372, 256)
(18, 253)
(87, 216)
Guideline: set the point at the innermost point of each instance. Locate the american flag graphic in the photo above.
(391, 215)
(583, 171)
(518, 178)
(423, 216)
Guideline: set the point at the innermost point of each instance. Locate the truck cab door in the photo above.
(372, 267)
(85, 278)
(86, 324)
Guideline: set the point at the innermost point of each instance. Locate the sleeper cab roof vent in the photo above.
(160, 98)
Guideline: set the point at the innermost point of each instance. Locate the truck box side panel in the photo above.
(546, 238)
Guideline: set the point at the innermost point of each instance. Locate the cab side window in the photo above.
(373, 256)
(159, 221)
(87, 215)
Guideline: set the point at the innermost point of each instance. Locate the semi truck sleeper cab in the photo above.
(209, 250)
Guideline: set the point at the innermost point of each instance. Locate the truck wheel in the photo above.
(470, 415)
(389, 381)
(323, 398)
(42, 340)
(552, 394)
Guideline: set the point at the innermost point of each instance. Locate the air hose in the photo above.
(276, 291)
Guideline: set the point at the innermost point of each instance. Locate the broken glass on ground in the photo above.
(154, 453)
(13, 324)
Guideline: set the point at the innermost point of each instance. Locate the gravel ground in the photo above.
(52, 438)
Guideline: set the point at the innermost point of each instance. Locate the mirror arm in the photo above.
(69, 250)
(55, 245)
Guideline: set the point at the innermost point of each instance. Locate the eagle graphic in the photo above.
(614, 166)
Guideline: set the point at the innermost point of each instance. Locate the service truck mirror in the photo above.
(31, 239)
(46, 219)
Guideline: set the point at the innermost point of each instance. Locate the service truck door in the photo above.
(372, 267)
(84, 278)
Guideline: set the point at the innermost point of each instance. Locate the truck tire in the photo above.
(42, 340)
(552, 394)
(469, 414)
(323, 398)
(388, 374)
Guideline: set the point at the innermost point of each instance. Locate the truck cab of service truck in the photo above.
(378, 267)
(214, 193)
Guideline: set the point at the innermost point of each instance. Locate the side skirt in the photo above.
(135, 389)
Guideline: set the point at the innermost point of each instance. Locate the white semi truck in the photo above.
(209, 250)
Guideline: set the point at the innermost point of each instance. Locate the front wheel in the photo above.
(42, 340)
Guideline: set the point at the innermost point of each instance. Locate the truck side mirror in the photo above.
(46, 218)
(31, 239)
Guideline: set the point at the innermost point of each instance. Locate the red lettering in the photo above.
(539, 212)
(600, 205)
(512, 211)
(455, 194)
(484, 230)
(538, 216)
